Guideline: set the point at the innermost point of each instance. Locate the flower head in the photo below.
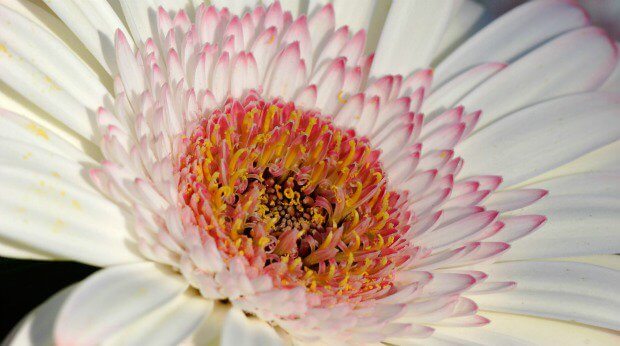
(266, 160)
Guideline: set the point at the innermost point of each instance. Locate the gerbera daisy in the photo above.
(350, 173)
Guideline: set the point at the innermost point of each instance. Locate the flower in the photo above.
(260, 176)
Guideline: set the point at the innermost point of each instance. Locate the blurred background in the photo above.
(26, 284)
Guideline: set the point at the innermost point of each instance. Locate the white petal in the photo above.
(170, 324)
(448, 94)
(513, 34)
(465, 20)
(13, 249)
(517, 226)
(445, 138)
(329, 87)
(545, 73)
(596, 183)
(221, 77)
(242, 331)
(12, 101)
(131, 70)
(51, 208)
(320, 26)
(40, 15)
(519, 330)
(211, 328)
(513, 199)
(50, 56)
(94, 22)
(288, 73)
(446, 284)
(607, 261)
(539, 138)
(356, 15)
(30, 78)
(613, 82)
(602, 159)
(18, 128)
(577, 225)
(141, 19)
(411, 35)
(141, 16)
(567, 291)
(123, 294)
(454, 234)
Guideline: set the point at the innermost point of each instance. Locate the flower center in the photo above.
(294, 197)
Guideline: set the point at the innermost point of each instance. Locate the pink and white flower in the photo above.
(256, 174)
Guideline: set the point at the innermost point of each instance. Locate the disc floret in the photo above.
(296, 198)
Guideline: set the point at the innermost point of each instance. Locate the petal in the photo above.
(593, 57)
(211, 327)
(46, 94)
(597, 183)
(357, 19)
(94, 23)
(513, 34)
(465, 21)
(411, 35)
(11, 249)
(221, 77)
(18, 128)
(14, 102)
(539, 138)
(577, 225)
(444, 138)
(51, 57)
(513, 199)
(307, 97)
(292, 6)
(320, 26)
(124, 294)
(518, 226)
(137, 16)
(509, 329)
(239, 330)
(263, 50)
(447, 284)
(38, 70)
(141, 16)
(131, 70)
(329, 87)
(567, 291)
(56, 211)
(288, 73)
(613, 82)
(448, 94)
(602, 159)
(454, 234)
(39, 14)
(607, 261)
(298, 32)
(169, 324)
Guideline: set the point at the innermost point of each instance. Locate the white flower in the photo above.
(257, 177)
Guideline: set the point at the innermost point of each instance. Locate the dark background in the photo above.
(25, 284)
